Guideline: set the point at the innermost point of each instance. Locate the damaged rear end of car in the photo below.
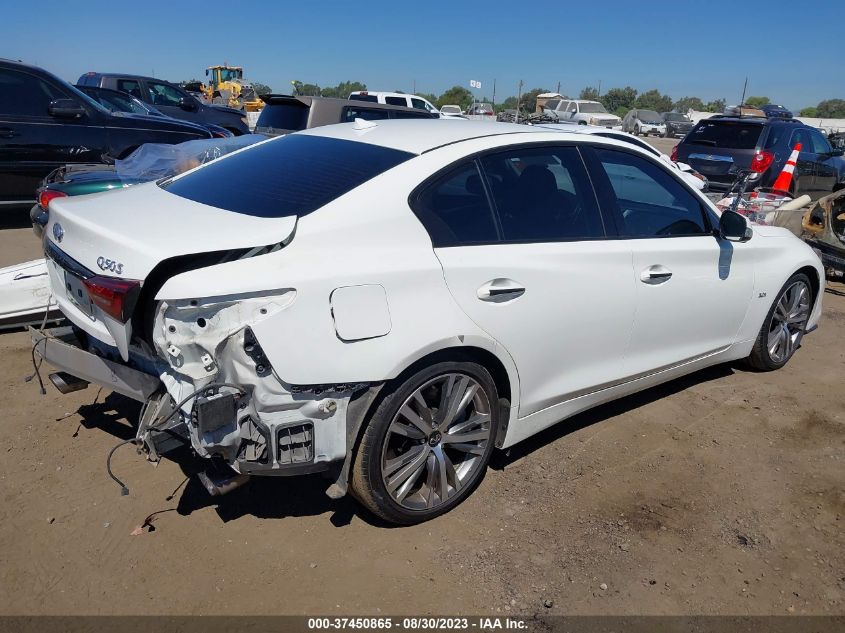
(170, 287)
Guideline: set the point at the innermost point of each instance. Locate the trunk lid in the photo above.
(126, 233)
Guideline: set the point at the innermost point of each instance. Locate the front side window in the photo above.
(647, 201)
(543, 195)
(23, 94)
(163, 94)
(454, 209)
(288, 176)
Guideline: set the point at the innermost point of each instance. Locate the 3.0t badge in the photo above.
(110, 265)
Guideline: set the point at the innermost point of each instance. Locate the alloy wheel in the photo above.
(788, 321)
(435, 444)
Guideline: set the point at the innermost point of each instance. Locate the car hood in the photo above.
(143, 225)
(164, 122)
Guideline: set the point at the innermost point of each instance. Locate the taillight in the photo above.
(674, 155)
(47, 195)
(115, 297)
(761, 161)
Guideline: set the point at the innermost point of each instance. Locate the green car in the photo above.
(151, 161)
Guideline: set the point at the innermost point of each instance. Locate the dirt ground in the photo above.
(720, 493)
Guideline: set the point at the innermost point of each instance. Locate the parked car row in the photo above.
(46, 123)
(722, 146)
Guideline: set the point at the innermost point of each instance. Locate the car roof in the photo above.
(423, 135)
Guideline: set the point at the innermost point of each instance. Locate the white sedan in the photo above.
(390, 301)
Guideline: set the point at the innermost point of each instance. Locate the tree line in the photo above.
(615, 100)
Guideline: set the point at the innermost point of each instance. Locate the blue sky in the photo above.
(791, 52)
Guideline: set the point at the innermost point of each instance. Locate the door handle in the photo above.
(656, 274)
(500, 290)
(7, 132)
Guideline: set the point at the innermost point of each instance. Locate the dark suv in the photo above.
(284, 114)
(46, 123)
(169, 99)
(720, 146)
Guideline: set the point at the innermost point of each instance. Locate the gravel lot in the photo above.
(720, 493)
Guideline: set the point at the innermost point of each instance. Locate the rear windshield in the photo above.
(649, 115)
(289, 176)
(726, 134)
(284, 116)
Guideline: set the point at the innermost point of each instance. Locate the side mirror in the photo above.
(188, 103)
(837, 151)
(65, 109)
(733, 227)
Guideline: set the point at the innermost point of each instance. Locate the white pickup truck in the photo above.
(581, 112)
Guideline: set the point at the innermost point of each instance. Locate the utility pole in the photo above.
(494, 95)
(558, 87)
(743, 94)
(518, 97)
(599, 87)
(414, 91)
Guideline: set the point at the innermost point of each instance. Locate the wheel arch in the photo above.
(813, 276)
(363, 404)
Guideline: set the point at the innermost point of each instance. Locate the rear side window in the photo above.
(543, 195)
(131, 86)
(647, 201)
(455, 211)
(284, 116)
(368, 114)
(725, 134)
(400, 101)
(289, 176)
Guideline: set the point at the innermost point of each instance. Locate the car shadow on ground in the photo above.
(501, 459)
(284, 497)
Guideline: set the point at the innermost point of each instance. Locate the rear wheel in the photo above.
(427, 444)
(784, 325)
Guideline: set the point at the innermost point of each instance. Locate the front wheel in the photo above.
(427, 444)
(784, 325)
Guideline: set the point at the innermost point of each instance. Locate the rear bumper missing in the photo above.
(60, 348)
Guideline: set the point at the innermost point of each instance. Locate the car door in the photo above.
(524, 253)
(826, 173)
(804, 175)
(692, 289)
(169, 99)
(33, 142)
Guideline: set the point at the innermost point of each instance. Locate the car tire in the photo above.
(784, 326)
(404, 469)
(665, 134)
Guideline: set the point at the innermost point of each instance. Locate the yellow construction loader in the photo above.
(226, 86)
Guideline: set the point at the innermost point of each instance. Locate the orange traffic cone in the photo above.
(784, 179)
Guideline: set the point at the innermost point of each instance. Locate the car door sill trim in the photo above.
(589, 391)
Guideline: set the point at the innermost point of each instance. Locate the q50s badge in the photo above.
(110, 265)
